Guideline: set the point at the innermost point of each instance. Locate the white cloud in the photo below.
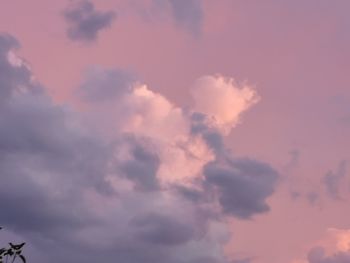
(223, 100)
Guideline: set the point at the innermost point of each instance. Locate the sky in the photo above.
(175, 131)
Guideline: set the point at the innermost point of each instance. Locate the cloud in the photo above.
(187, 14)
(222, 100)
(104, 84)
(143, 162)
(129, 177)
(12, 76)
(312, 197)
(162, 230)
(245, 260)
(293, 161)
(333, 180)
(334, 247)
(242, 185)
(85, 22)
(317, 255)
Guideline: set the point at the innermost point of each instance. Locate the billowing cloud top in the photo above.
(222, 100)
(130, 178)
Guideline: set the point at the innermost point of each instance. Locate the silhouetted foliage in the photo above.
(10, 254)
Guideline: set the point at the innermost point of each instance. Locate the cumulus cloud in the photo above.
(141, 161)
(84, 22)
(242, 185)
(129, 177)
(222, 100)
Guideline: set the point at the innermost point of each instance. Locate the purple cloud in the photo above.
(85, 22)
(107, 184)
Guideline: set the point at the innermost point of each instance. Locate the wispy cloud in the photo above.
(333, 180)
(85, 22)
(187, 14)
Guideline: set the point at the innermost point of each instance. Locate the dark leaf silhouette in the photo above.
(17, 247)
(23, 258)
(10, 254)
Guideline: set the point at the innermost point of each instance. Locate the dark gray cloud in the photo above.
(317, 255)
(187, 13)
(242, 185)
(212, 137)
(190, 194)
(142, 166)
(162, 230)
(85, 22)
(333, 180)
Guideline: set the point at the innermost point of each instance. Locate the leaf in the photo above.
(9, 252)
(19, 246)
(23, 258)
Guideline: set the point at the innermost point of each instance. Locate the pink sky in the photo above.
(294, 54)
